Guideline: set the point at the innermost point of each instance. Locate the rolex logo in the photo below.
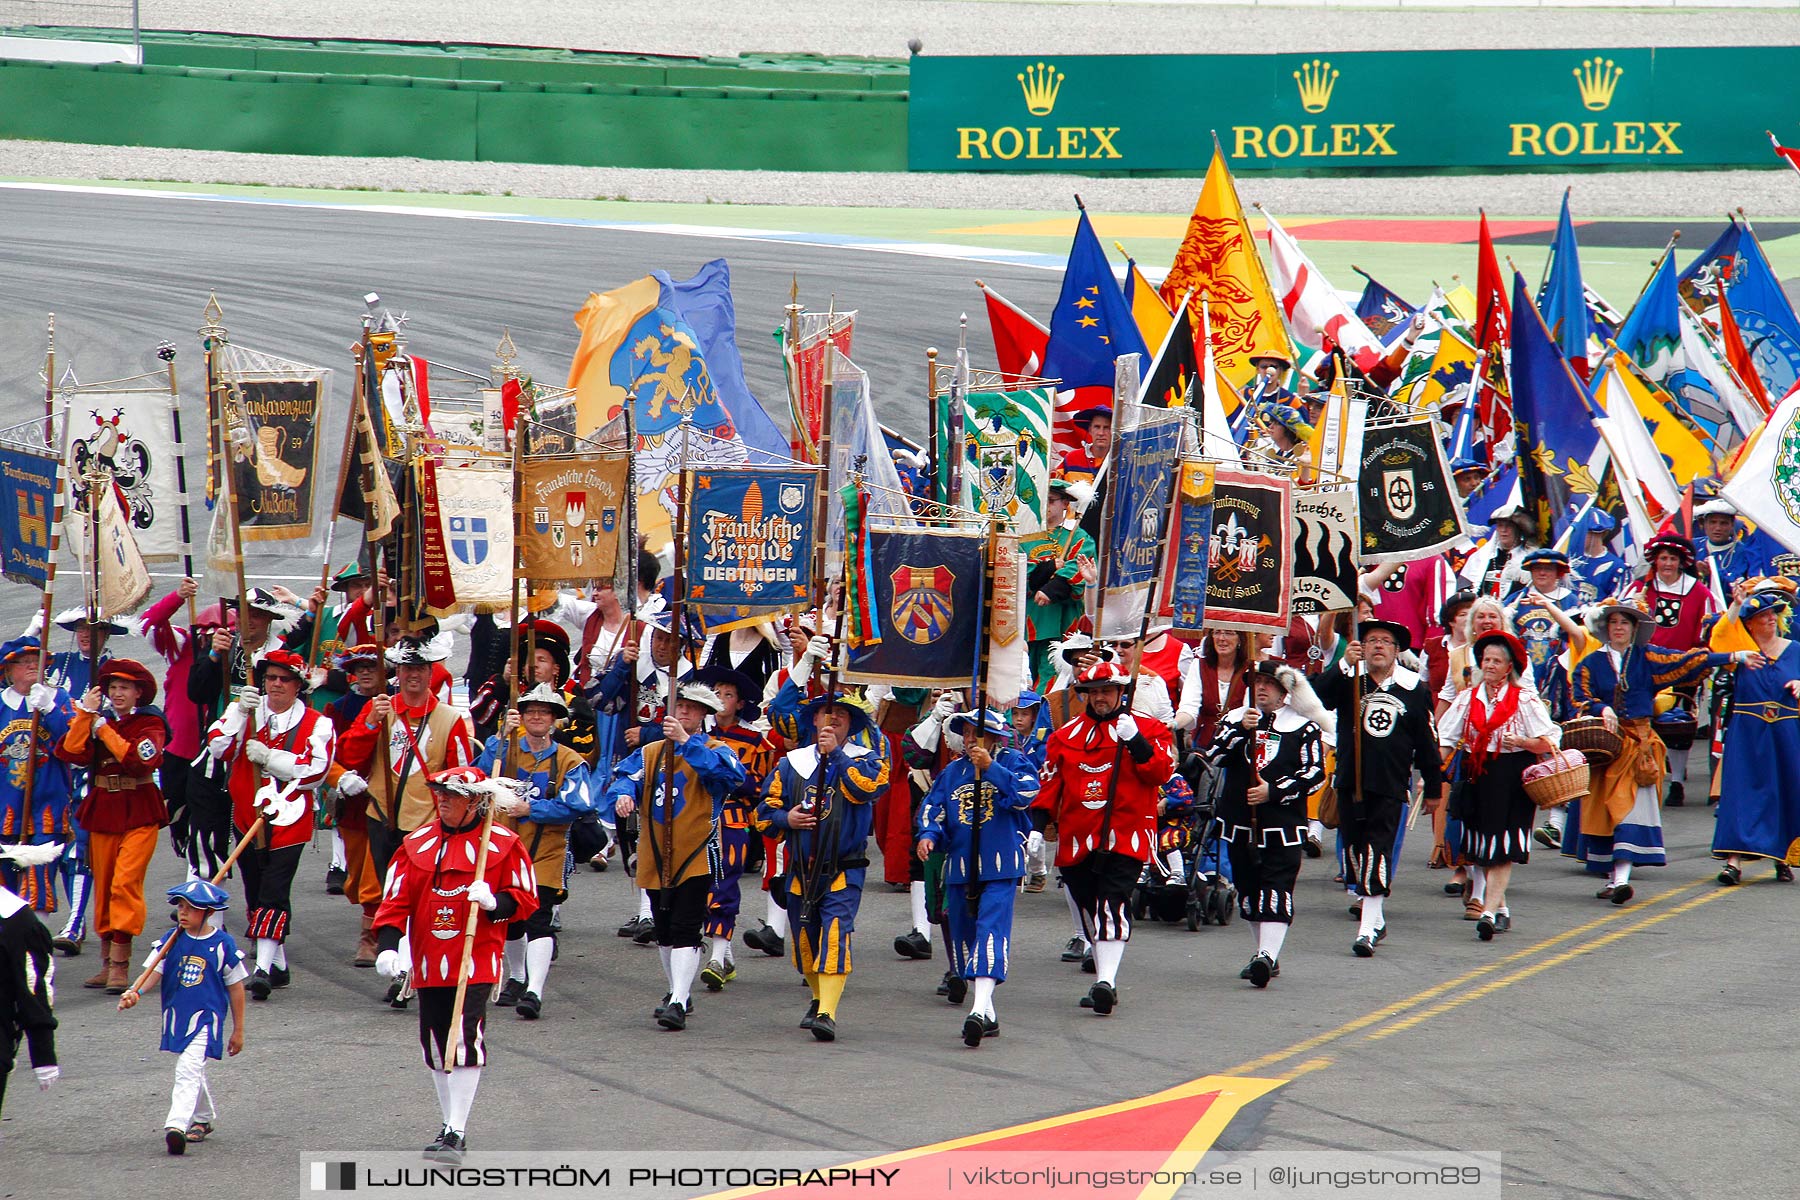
(1040, 84)
(1597, 77)
(1316, 79)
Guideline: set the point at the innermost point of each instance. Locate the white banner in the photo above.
(477, 508)
(129, 435)
(1766, 485)
(124, 580)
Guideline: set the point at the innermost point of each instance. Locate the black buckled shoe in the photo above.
(914, 945)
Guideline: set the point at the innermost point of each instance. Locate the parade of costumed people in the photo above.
(488, 693)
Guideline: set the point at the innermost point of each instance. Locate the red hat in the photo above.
(457, 779)
(287, 660)
(1674, 544)
(1102, 674)
(1510, 642)
(130, 669)
(545, 631)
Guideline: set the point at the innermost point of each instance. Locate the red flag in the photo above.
(1019, 338)
(421, 373)
(1739, 357)
(1788, 154)
(509, 404)
(1492, 307)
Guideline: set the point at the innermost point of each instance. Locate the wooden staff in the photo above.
(166, 352)
(453, 1036)
(162, 949)
(936, 491)
(312, 651)
(1110, 465)
(677, 622)
(55, 541)
(228, 494)
(978, 692)
(360, 354)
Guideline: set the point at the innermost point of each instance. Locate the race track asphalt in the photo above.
(1635, 1052)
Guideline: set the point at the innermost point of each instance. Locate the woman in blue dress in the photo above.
(1759, 794)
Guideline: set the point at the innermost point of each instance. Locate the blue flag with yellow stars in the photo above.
(1092, 324)
(1554, 420)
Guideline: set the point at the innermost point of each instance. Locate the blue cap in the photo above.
(18, 648)
(1546, 557)
(995, 723)
(201, 894)
(1757, 603)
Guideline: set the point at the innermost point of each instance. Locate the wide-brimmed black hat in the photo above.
(1402, 635)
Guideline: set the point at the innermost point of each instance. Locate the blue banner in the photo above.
(926, 586)
(25, 515)
(751, 538)
(1147, 458)
(1193, 540)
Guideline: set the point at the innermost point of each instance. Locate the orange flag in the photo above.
(1218, 261)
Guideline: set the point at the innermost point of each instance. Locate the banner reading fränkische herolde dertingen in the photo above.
(751, 538)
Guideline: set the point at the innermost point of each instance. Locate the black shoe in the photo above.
(630, 928)
(956, 989)
(1605, 893)
(395, 986)
(530, 1005)
(943, 987)
(1355, 911)
(913, 945)
(1729, 875)
(1677, 797)
(1104, 996)
(975, 1027)
(1245, 973)
(1363, 947)
(765, 939)
(259, 985)
(1484, 928)
(452, 1148)
(175, 1140)
(1087, 963)
(1261, 970)
(1783, 873)
(555, 946)
(1622, 894)
(1075, 951)
(1087, 1000)
(646, 932)
(672, 1016)
(1313, 847)
(812, 1014)
(1455, 887)
(510, 992)
(280, 977)
(824, 1028)
(334, 881)
(437, 1143)
(662, 1004)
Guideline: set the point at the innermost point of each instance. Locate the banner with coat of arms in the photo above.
(574, 510)
(25, 515)
(1408, 505)
(129, 436)
(1249, 580)
(751, 534)
(1193, 537)
(476, 505)
(926, 588)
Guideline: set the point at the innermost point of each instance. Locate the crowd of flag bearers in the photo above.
(1538, 683)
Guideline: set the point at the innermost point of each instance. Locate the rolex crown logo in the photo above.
(1316, 79)
(1040, 83)
(1597, 77)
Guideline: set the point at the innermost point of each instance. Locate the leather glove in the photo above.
(387, 964)
(480, 893)
(1034, 843)
(257, 752)
(46, 1076)
(248, 698)
(1127, 727)
(41, 699)
(352, 784)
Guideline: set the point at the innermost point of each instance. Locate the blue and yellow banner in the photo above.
(25, 515)
(751, 538)
(925, 587)
(1191, 547)
(1146, 460)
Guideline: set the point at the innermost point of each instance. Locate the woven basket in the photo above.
(1598, 744)
(1676, 734)
(1565, 780)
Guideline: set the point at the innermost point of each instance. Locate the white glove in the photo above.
(352, 784)
(1127, 727)
(46, 1076)
(41, 699)
(248, 698)
(1034, 843)
(818, 648)
(387, 964)
(945, 708)
(480, 893)
(257, 752)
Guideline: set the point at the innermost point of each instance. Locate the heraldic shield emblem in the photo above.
(469, 540)
(922, 607)
(1401, 492)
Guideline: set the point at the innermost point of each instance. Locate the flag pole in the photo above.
(58, 467)
(958, 387)
(228, 495)
(791, 356)
(360, 354)
(166, 352)
(677, 624)
(931, 417)
(312, 651)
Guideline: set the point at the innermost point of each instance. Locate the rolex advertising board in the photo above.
(1636, 108)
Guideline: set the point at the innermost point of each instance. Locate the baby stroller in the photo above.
(1187, 878)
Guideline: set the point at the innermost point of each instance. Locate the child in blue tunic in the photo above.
(207, 976)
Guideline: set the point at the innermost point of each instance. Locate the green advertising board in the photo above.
(1415, 110)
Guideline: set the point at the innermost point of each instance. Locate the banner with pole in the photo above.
(1249, 583)
(750, 530)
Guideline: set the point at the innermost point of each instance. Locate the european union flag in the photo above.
(1556, 431)
(1091, 324)
(1564, 300)
(1765, 317)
